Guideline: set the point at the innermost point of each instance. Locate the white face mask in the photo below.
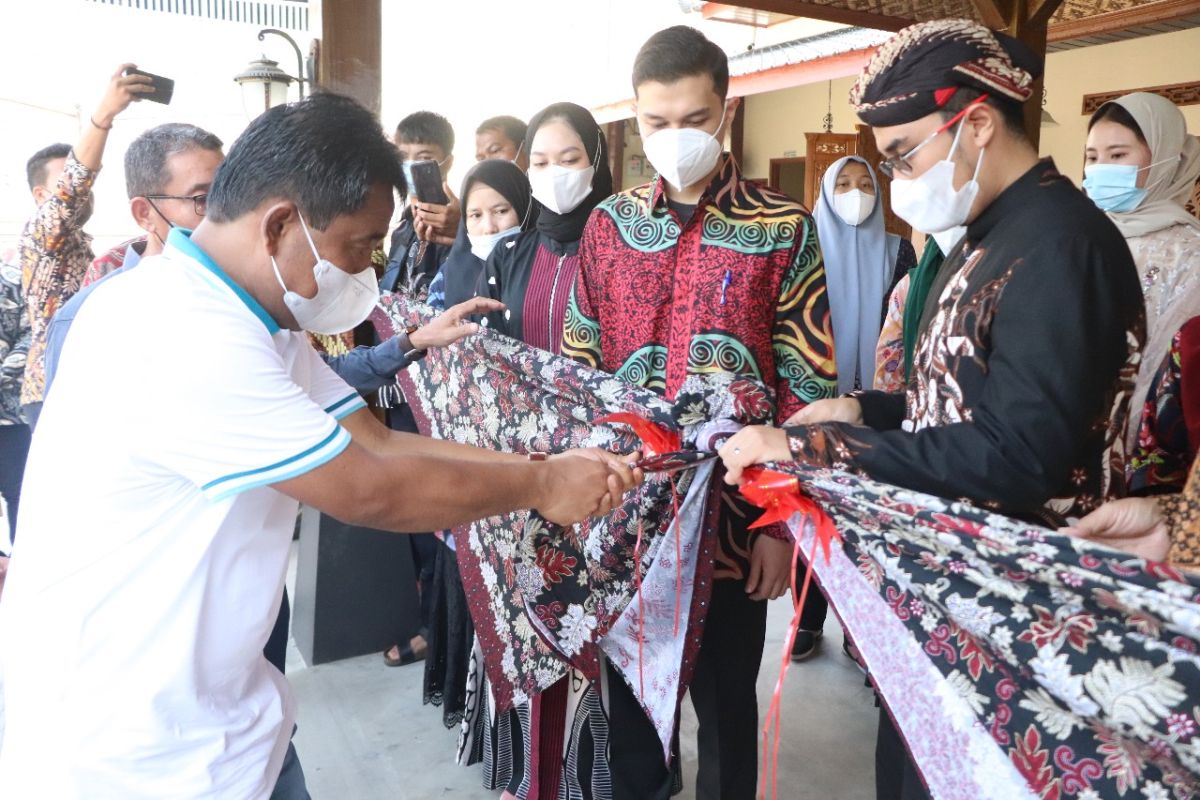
(483, 244)
(930, 203)
(342, 300)
(561, 189)
(947, 239)
(854, 206)
(683, 156)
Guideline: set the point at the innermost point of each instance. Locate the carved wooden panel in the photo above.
(1181, 94)
(826, 148)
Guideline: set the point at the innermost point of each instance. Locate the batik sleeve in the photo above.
(1059, 339)
(581, 327)
(1182, 512)
(805, 369)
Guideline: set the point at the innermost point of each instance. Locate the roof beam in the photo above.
(829, 13)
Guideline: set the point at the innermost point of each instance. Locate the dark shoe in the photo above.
(805, 644)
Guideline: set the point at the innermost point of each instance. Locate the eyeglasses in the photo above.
(902, 165)
(199, 201)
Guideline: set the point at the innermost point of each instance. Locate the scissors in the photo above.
(674, 462)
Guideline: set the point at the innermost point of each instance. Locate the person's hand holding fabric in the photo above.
(770, 568)
(575, 487)
(450, 326)
(621, 466)
(756, 444)
(437, 223)
(1135, 525)
(834, 409)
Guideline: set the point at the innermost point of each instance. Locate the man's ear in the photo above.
(40, 195)
(143, 214)
(449, 165)
(983, 122)
(275, 222)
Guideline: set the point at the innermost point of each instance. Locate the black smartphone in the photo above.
(427, 183)
(164, 88)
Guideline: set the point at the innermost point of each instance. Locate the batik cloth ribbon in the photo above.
(1016, 662)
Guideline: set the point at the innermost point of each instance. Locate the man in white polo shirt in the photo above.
(165, 475)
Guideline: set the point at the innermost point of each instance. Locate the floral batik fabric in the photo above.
(1017, 662)
(544, 599)
(889, 355)
(14, 344)
(55, 253)
(1169, 432)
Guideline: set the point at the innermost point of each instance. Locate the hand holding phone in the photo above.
(163, 88)
(427, 183)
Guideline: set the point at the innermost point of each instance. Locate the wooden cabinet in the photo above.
(826, 148)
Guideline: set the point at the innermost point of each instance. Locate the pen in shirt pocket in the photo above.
(728, 279)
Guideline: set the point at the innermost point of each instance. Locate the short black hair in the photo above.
(146, 158)
(35, 167)
(511, 127)
(680, 52)
(323, 153)
(426, 127)
(1115, 112)
(1012, 112)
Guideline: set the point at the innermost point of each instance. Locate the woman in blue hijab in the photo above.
(863, 262)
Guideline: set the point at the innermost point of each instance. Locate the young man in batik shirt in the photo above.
(54, 251)
(1028, 344)
(698, 272)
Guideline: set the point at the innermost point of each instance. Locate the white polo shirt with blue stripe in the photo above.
(152, 548)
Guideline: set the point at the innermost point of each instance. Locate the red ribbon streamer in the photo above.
(656, 438)
(780, 496)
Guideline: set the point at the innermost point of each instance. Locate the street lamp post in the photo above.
(265, 85)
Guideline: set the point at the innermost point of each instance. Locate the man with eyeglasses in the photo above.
(168, 171)
(1029, 338)
(54, 250)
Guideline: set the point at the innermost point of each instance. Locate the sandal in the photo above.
(408, 654)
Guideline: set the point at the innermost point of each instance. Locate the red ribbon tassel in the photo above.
(780, 497)
(656, 438)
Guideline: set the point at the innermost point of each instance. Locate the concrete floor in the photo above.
(364, 734)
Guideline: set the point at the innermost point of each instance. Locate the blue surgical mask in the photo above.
(1113, 187)
(406, 167)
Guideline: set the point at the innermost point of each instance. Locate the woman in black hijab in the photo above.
(532, 274)
(485, 224)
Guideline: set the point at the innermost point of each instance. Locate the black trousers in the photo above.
(14, 448)
(896, 777)
(816, 607)
(724, 694)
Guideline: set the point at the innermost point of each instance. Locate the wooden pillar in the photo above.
(1027, 20)
(351, 50)
(614, 132)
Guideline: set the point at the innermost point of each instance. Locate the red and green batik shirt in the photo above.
(739, 288)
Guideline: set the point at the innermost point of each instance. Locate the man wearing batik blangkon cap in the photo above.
(1028, 338)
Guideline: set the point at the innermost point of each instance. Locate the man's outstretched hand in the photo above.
(583, 483)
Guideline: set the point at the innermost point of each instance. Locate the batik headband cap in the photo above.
(918, 70)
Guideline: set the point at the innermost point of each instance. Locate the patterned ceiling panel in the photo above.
(921, 10)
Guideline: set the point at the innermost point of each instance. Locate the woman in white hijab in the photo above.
(1141, 168)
